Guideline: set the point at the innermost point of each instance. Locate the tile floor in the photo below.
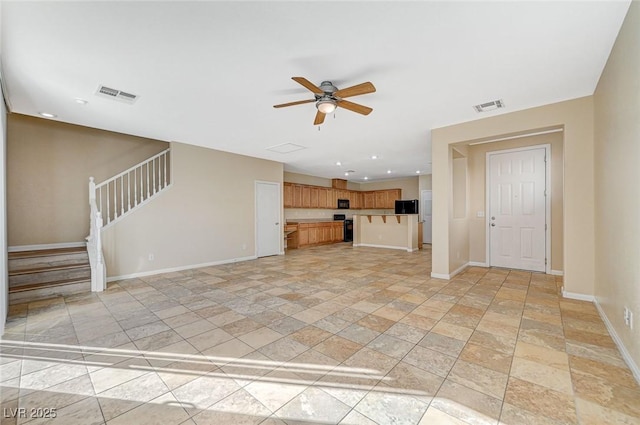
(324, 335)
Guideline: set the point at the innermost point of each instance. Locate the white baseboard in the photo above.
(477, 264)
(404, 248)
(576, 296)
(450, 275)
(46, 246)
(635, 370)
(179, 268)
(556, 272)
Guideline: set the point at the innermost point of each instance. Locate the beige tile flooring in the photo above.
(324, 335)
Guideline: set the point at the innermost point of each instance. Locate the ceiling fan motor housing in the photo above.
(328, 87)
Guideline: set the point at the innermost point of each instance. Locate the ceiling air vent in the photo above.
(286, 148)
(120, 95)
(489, 106)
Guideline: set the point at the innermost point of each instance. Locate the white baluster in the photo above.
(122, 195)
(148, 180)
(128, 190)
(165, 169)
(153, 167)
(100, 200)
(108, 209)
(135, 186)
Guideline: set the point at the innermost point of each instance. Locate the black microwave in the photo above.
(343, 204)
(407, 207)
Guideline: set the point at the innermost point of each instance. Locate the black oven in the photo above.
(343, 204)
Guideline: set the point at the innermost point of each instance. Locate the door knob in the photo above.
(277, 224)
(493, 224)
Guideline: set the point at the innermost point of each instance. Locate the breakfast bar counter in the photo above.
(395, 231)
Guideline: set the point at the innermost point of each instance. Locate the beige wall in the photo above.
(207, 216)
(617, 190)
(48, 168)
(306, 179)
(424, 182)
(576, 117)
(4, 277)
(477, 197)
(409, 186)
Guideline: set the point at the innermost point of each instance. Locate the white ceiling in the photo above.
(208, 73)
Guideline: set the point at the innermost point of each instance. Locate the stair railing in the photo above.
(116, 197)
(120, 194)
(94, 243)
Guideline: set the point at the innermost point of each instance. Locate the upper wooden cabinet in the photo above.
(288, 195)
(369, 200)
(386, 199)
(305, 196)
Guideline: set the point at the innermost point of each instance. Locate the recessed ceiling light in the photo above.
(366, 178)
(81, 101)
(47, 115)
(388, 171)
(346, 174)
(374, 156)
(418, 172)
(338, 163)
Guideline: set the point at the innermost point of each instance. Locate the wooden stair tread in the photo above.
(33, 286)
(84, 265)
(46, 252)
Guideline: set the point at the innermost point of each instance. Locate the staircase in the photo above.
(53, 272)
(47, 273)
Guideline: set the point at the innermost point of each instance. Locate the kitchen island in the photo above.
(394, 231)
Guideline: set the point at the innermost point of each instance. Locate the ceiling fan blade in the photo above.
(363, 88)
(299, 102)
(308, 84)
(364, 110)
(319, 118)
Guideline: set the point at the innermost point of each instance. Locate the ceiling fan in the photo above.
(328, 98)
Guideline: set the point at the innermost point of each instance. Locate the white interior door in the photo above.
(269, 233)
(517, 209)
(426, 198)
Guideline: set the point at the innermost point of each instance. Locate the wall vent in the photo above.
(122, 96)
(489, 106)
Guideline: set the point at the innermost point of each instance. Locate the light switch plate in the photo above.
(480, 214)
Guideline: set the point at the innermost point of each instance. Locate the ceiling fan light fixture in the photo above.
(326, 106)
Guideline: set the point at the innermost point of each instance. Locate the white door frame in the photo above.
(422, 214)
(547, 200)
(255, 216)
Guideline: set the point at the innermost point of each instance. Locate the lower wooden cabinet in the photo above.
(320, 233)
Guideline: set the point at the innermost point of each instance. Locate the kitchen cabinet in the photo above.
(353, 200)
(369, 200)
(297, 196)
(380, 200)
(338, 231)
(318, 233)
(288, 195)
(323, 197)
(303, 234)
(306, 196)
